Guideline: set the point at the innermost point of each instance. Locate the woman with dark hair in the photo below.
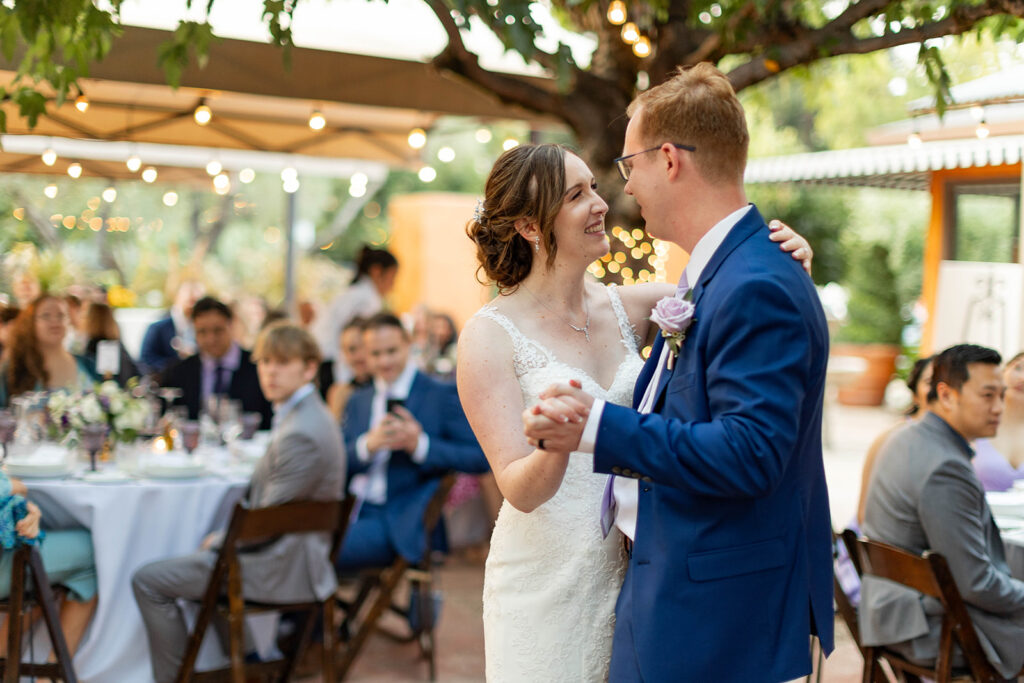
(999, 461)
(100, 325)
(37, 359)
(7, 317)
(551, 579)
(373, 280)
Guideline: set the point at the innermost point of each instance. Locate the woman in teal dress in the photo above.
(66, 553)
(36, 358)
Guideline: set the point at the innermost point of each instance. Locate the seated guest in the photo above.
(353, 351)
(924, 495)
(7, 316)
(66, 554)
(99, 325)
(304, 461)
(36, 359)
(221, 368)
(999, 461)
(403, 433)
(170, 339)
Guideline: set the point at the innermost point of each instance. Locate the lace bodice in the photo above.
(551, 579)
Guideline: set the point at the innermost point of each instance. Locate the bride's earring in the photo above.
(536, 244)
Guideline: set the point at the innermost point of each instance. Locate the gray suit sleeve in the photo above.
(950, 509)
(293, 473)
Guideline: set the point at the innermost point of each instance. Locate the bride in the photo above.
(551, 580)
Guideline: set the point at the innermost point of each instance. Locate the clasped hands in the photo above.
(398, 431)
(556, 422)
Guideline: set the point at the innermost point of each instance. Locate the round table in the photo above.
(132, 523)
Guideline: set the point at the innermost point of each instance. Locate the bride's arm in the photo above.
(493, 402)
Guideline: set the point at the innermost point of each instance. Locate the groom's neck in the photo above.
(700, 211)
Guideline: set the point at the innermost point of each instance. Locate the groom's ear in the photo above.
(672, 159)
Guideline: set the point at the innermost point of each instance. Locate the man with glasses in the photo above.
(720, 484)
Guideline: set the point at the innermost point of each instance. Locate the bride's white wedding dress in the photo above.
(551, 581)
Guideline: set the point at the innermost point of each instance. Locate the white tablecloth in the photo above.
(132, 523)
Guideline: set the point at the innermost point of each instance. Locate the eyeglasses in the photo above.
(625, 169)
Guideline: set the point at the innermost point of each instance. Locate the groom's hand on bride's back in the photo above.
(559, 418)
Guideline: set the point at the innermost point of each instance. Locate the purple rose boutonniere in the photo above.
(674, 317)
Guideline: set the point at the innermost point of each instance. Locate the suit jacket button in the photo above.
(616, 470)
(626, 472)
(647, 479)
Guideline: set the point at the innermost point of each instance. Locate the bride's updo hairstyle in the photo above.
(528, 182)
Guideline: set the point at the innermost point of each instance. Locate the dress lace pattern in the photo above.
(551, 581)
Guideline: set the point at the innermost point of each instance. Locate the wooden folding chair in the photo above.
(928, 574)
(21, 602)
(224, 590)
(380, 584)
(847, 610)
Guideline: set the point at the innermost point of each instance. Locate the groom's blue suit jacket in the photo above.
(731, 568)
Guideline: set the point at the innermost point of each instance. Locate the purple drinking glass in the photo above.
(189, 430)
(93, 436)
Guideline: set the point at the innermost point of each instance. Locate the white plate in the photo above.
(105, 477)
(30, 470)
(184, 471)
(1006, 503)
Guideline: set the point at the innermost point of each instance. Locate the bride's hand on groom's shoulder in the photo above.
(793, 242)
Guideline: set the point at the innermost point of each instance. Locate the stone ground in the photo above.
(460, 635)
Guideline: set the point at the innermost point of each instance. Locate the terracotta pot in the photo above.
(868, 389)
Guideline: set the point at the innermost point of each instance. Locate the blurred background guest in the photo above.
(221, 367)
(438, 358)
(374, 279)
(170, 339)
(75, 341)
(250, 317)
(99, 325)
(67, 557)
(999, 461)
(353, 351)
(7, 316)
(36, 358)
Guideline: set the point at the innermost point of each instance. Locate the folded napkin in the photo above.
(44, 454)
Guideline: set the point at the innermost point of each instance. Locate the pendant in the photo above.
(584, 330)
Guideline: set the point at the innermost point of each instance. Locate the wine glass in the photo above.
(8, 427)
(250, 423)
(189, 435)
(93, 436)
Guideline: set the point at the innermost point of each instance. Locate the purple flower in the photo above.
(105, 402)
(672, 315)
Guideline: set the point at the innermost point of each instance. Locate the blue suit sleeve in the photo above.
(351, 430)
(760, 363)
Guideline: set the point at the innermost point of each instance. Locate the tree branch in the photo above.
(837, 39)
(509, 89)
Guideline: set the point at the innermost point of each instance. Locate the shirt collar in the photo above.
(282, 409)
(231, 360)
(937, 422)
(709, 243)
(400, 387)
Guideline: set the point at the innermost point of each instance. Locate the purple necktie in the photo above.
(608, 505)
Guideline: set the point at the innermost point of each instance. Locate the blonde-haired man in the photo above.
(721, 488)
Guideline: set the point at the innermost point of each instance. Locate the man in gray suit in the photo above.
(305, 460)
(924, 495)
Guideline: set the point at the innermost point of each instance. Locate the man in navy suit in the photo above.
(403, 433)
(720, 487)
(170, 339)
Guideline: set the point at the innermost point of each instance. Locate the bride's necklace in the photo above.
(586, 326)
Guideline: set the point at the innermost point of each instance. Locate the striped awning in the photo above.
(904, 166)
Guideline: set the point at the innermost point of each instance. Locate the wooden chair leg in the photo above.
(14, 618)
(236, 623)
(44, 593)
(329, 644)
(386, 587)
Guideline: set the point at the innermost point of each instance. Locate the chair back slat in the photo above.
(290, 518)
(889, 562)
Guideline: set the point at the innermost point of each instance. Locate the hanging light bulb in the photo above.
(509, 143)
(417, 138)
(221, 183)
(82, 103)
(170, 198)
(317, 120)
(982, 130)
(291, 185)
(213, 167)
(630, 33)
(202, 114)
(483, 135)
(49, 156)
(427, 174)
(642, 47)
(134, 163)
(50, 190)
(446, 154)
(617, 12)
(246, 175)
(149, 174)
(914, 139)
(75, 169)
(109, 195)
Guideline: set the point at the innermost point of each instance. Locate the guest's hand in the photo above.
(792, 242)
(211, 540)
(378, 437)
(405, 430)
(18, 487)
(28, 526)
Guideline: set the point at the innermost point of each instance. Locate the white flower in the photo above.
(109, 389)
(91, 410)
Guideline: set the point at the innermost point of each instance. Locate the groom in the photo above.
(720, 487)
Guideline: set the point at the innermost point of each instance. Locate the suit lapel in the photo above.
(415, 397)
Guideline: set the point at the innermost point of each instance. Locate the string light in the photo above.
(50, 190)
(213, 167)
(134, 163)
(446, 154)
(982, 130)
(417, 138)
(630, 33)
(914, 139)
(427, 174)
(149, 174)
(202, 114)
(109, 195)
(289, 173)
(617, 12)
(221, 183)
(246, 176)
(642, 47)
(170, 198)
(317, 120)
(483, 136)
(509, 143)
(49, 156)
(291, 184)
(82, 103)
(75, 169)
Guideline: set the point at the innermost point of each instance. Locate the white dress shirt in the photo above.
(371, 486)
(360, 299)
(627, 489)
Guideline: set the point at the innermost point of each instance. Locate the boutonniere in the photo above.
(674, 317)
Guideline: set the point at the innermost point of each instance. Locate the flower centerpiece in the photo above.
(123, 414)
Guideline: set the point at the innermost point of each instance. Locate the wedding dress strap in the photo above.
(629, 337)
(526, 354)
